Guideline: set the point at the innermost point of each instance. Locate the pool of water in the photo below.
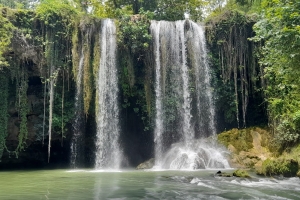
(131, 184)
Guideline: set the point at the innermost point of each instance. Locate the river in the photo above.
(132, 184)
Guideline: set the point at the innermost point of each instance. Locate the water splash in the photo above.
(201, 154)
(108, 152)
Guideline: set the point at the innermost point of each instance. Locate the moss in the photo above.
(241, 173)
(75, 49)
(87, 71)
(240, 139)
(280, 166)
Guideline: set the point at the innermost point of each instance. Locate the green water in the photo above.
(89, 184)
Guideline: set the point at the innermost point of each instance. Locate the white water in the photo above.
(201, 154)
(205, 106)
(184, 97)
(180, 44)
(79, 119)
(155, 26)
(108, 152)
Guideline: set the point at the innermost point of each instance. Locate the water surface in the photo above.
(131, 184)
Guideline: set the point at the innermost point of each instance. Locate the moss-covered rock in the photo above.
(241, 173)
(248, 147)
(223, 174)
(241, 140)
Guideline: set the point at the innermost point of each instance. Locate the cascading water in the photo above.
(184, 100)
(155, 26)
(76, 151)
(205, 107)
(108, 152)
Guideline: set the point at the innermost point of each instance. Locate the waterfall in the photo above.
(158, 102)
(205, 107)
(184, 98)
(108, 152)
(168, 36)
(76, 141)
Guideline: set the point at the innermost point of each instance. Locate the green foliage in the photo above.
(235, 68)
(3, 110)
(147, 5)
(280, 166)
(60, 123)
(279, 32)
(134, 33)
(18, 3)
(56, 12)
(134, 40)
(6, 28)
(172, 10)
(58, 18)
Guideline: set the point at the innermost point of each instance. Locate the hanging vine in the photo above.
(134, 41)
(229, 35)
(3, 110)
(22, 107)
(57, 19)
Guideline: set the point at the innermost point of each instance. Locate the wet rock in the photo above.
(217, 164)
(241, 173)
(223, 174)
(203, 154)
(199, 164)
(146, 165)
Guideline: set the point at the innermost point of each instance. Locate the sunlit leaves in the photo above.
(279, 32)
(5, 38)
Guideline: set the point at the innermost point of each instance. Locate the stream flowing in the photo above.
(131, 184)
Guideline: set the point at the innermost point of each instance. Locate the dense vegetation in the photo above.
(254, 47)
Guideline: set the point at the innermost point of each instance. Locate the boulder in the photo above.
(146, 165)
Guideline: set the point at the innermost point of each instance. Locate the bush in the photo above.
(280, 166)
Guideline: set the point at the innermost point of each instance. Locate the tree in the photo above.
(279, 32)
(147, 5)
(19, 3)
(176, 9)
